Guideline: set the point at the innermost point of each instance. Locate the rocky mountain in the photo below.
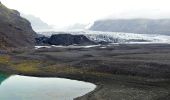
(65, 40)
(143, 26)
(36, 23)
(15, 31)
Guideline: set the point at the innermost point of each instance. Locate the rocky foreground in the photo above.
(121, 72)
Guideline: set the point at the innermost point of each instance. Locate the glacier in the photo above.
(116, 37)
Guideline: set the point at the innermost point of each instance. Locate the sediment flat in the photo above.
(121, 71)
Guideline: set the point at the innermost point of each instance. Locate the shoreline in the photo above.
(130, 72)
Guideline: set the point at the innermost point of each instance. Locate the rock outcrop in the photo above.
(15, 31)
(65, 40)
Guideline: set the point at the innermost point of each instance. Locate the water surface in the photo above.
(33, 88)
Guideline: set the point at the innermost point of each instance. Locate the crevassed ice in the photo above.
(117, 37)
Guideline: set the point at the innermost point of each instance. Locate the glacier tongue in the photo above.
(117, 37)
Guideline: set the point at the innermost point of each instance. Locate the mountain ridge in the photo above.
(138, 25)
(15, 31)
(36, 23)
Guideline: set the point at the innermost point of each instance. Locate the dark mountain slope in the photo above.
(15, 31)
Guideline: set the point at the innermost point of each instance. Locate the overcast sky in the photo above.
(66, 12)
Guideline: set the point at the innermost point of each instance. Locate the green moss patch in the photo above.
(5, 59)
(27, 66)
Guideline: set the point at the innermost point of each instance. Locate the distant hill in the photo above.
(36, 23)
(15, 31)
(143, 26)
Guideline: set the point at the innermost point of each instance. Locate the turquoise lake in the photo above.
(16, 87)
